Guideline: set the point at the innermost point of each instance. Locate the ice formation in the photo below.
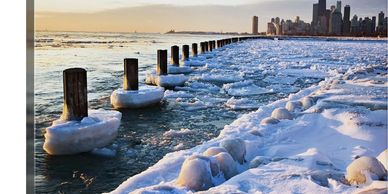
(227, 164)
(293, 105)
(269, 120)
(382, 157)
(259, 160)
(171, 69)
(307, 102)
(363, 169)
(236, 148)
(240, 104)
(145, 96)
(245, 88)
(281, 113)
(166, 81)
(214, 151)
(71, 137)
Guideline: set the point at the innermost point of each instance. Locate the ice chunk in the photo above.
(71, 137)
(167, 81)
(259, 160)
(104, 152)
(240, 104)
(227, 164)
(178, 94)
(145, 96)
(236, 148)
(281, 113)
(280, 79)
(269, 120)
(175, 133)
(214, 151)
(195, 174)
(171, 69)
(307, 102)
(221, 78)
(364, 168)
(293, 105)
(245, 88)
(383, 158)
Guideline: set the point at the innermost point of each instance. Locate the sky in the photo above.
(180, 15)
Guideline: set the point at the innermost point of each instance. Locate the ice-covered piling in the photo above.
(131, 76)
(75, 94)
(210, 46)
(203, 49)
(185, 52)
(161, 65)
(194, 49)
(175, 55)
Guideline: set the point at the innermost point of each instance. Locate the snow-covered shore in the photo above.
(345, 118)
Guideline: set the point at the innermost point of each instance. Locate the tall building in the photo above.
(355, 26)
(346, 22)
(255, 25)
(315, 14)
(335, 23)
(339, 6)
(381, 19)
(321, 7)
(373, 27)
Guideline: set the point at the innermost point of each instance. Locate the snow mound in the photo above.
(214, 151)
(258, 161)
(245, 88)
(363, 169)
(145, 96)
(383, 158)
(227, 165)
(307, 102)
(176, 133)
(293, 105)
(195, 174)
(236, 148)
(281, 113)
(269, 120)
(171, 69)
(167, 81)
(71, 137)
(241, 104)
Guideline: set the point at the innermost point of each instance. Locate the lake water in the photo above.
(200, 106)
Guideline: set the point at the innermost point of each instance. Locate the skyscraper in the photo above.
(321, 7)
(381, 19)
(335, 23)
(315, 14)
(255, 25)
(346, 22)
(373, 27)
(339, 6)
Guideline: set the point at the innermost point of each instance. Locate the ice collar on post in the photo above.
(79, 130)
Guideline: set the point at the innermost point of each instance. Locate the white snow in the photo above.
(364, 169)
(167, 81)
(281, 113)
(344, 117)
(145, 96)
(382, 157)
(70, 137)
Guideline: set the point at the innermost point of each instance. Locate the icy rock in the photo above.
(281, 113)
(293, 105)
(71, 137)
(171, 69)
(269, 120)
(167, 81)
(195, 174)
(259, 160)
(307, 102)
(145, 96)
(364, 166)
(383, 158)
(227, 165)
(236, 148)
(214, 151)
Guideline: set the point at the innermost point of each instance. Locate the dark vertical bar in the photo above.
(185, 52)
(161, 66)
(175, 55)
(75, 94)
(203, 49)
(131, 75)
(194, 49)
(210, 46)
(206, 46)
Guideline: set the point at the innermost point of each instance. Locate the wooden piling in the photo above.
(210, 46)
(194, 49)
(175, 55)
(161, 66)
(185, 52)
(75, 94)
(206, 46)
(203, 49)
(131, 75)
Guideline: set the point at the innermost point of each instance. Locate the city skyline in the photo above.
(161, 16)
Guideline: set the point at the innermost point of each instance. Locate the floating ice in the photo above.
(243, 103)
(104, 152)
(167, 81)
(171, 69)
(245, 88)
(176, 133)
(219, 78)
(280, 79)
(145, 96)
(259, 160)
(363, 169)
(178, 94)
(71, 137)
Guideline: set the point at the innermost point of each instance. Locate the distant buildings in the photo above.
(255, 25)
(329, 22)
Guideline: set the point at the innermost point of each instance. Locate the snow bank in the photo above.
(145, 96)
(166, 81)
(71, 137)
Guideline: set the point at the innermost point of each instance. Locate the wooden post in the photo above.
(175, 55)
(161, 66)
(131, 75)
(206, 46)
(203, 50)
(210, 46)
(194, 49)
(75, 94)
(185, 52)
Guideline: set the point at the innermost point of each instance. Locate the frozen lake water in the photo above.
(235, 79)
